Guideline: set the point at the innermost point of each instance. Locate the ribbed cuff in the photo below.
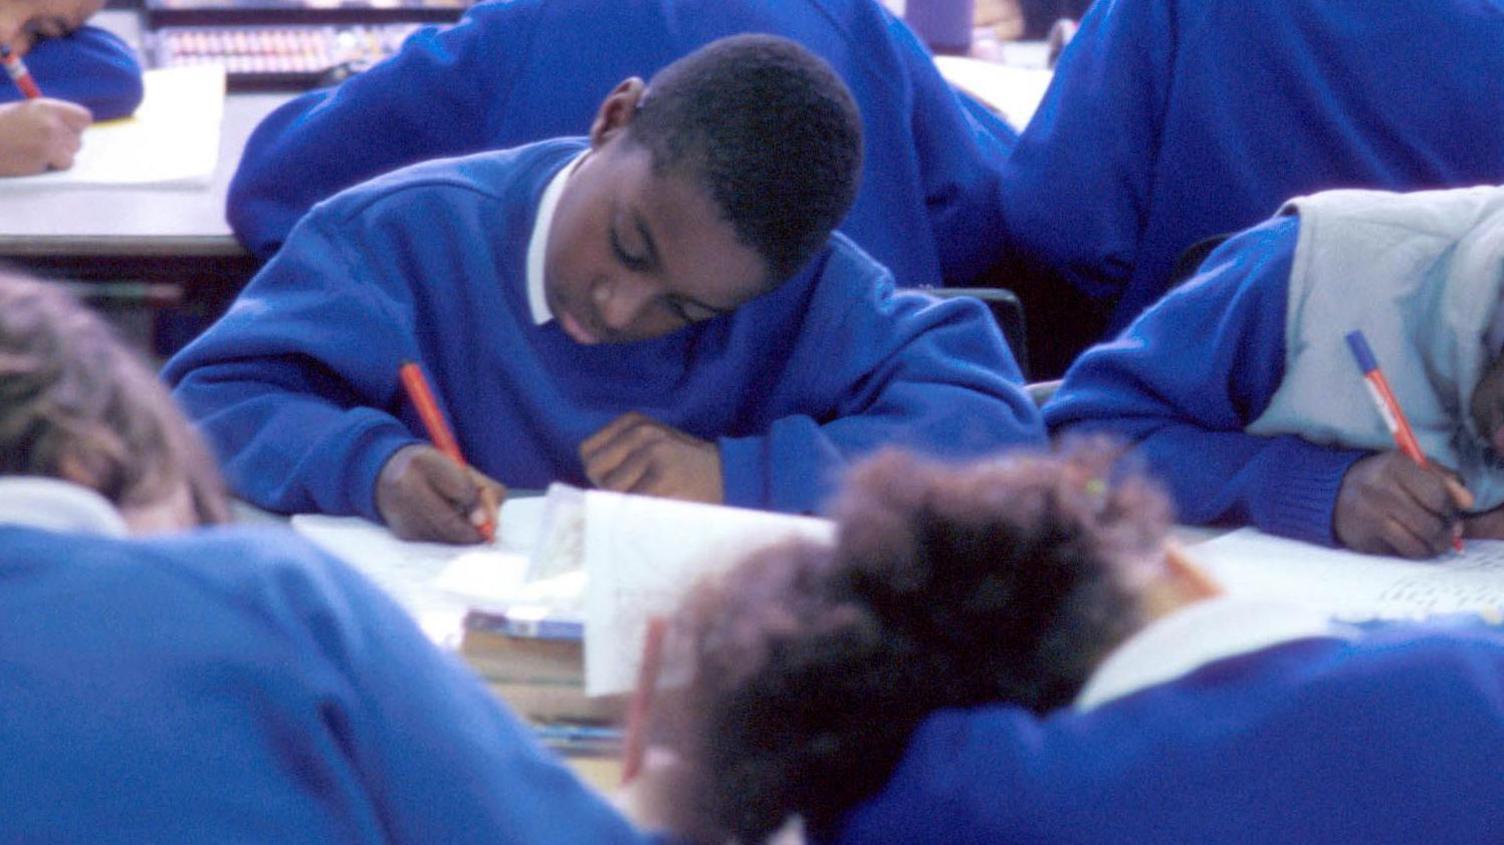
(366, 469)
(1299, 490)
(743, 476)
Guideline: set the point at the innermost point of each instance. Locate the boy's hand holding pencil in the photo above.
(422, 494)
(429, 492)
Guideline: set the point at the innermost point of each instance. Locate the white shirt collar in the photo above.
(537, 245)
(1198, 634)
(55, 505)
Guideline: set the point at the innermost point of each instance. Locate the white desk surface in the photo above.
(138, 221)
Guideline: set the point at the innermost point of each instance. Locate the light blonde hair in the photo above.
(76, 403)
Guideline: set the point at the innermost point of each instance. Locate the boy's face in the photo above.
(22, 21)
(634, 255)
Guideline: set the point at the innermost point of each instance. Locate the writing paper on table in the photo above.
(172, 141)
(1353, 586)
(641, 553)
(410, 572)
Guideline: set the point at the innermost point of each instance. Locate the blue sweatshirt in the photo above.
(90, 67)
(1394, 737)
(240, 686)
(297, 388)
(1185, 380)
(1169, 121)
(517, 71)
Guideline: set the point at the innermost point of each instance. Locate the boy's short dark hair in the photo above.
(772, 132)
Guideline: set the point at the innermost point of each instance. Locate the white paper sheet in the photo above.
(1356, 586)
(641, 553)
(409, 572)
(172, 141)
(1013, 92)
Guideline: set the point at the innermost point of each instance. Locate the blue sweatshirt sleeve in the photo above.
(434, 98)
(1186, 379)
(1088, 155)
(289, 387)
(441, 758)
(899, 369)
(960, 147)
(90, 67)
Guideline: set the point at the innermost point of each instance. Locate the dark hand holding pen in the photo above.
(1389, 504)
(422, 494)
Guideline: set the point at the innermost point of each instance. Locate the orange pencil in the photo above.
(438, 430)
(642, 699)
(18, 73)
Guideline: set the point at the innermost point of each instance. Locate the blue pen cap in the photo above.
(1364, 355)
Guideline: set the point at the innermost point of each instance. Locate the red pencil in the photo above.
(641, 705)
(19, 74)
(438, 430)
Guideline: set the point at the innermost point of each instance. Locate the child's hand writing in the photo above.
(422, 494)
(637, 454)
(1389, 504)
(39, 134)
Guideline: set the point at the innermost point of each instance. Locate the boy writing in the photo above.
(1241, 392)
(660, 310)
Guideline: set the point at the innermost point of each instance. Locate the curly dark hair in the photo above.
(71, 392)
(1003, 582)
(773, 133)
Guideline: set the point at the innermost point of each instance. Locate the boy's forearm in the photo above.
(90, 67)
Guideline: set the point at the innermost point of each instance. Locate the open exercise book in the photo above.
(1358, 587)
(605, 561)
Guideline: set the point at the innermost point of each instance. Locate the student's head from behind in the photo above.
(1004, 582)
(23, 21)
(76, 404)
(704, 189)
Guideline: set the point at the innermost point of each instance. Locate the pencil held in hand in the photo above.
(19, 74)
(439, 432)
(1389, 408)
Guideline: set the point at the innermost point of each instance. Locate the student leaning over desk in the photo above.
(1169, 121)
(84, 73)
(1240, 391)
(164, 681)
(1014, 652)
(512, 72)
(661, 309)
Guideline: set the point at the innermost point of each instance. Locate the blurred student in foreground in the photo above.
(661, 308)
(1015, 652)
(1240, 390)
(84, 74)
(169, 681)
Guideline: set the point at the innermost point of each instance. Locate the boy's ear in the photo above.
(616, 111)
